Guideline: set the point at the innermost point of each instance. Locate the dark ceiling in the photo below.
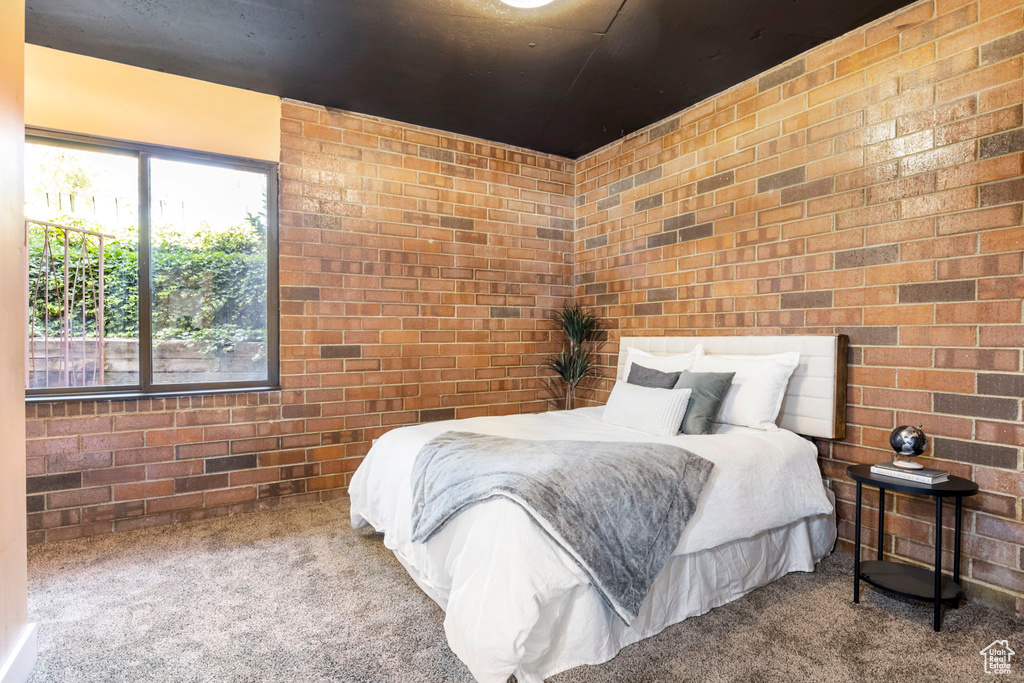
(565, 78)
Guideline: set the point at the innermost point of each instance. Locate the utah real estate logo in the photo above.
(997, 657)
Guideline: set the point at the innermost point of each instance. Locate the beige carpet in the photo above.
(297, 596)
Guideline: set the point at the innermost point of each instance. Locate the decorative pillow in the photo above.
(708, 390)
(757, 389)
(649, 377)
(655, 411)
(676, 363)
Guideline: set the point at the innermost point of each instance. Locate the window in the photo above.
(150, 270)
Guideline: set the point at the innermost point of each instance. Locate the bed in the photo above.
(516, 603)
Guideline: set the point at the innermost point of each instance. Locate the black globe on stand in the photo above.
(908, 442)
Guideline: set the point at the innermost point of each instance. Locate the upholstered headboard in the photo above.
(815, 401)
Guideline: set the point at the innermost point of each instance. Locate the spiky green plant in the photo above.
(577, 360)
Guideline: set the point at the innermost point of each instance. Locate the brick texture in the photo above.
(417, 271)
(871, 187)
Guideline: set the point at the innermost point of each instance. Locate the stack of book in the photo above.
(924, 475)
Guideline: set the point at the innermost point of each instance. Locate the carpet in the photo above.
(295, 595)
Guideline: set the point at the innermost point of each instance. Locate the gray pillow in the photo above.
(649, 377)
(708, 391)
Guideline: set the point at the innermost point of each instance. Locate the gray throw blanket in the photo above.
(618, 509)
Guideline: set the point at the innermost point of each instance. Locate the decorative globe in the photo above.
(908, 441)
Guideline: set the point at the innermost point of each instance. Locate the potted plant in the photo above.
(577, 360)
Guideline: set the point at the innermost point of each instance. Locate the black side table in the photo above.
(898, 577)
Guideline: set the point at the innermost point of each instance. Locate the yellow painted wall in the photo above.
(77, 94)
(13, 602)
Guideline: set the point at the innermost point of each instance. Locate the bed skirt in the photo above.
(580, 629)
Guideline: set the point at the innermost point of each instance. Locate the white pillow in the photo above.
(676, 363)
(757, 390)
(655, 411)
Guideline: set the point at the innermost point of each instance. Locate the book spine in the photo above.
(903, 475)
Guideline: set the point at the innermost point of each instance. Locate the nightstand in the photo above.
(898, 577)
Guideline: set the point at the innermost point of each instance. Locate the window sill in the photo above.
(141, 396)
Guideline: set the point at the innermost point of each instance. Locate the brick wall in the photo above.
(416, 271)
(871, 187)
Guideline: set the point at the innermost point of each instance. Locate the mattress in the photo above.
(516, 603)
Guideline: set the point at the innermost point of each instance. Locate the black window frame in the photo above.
(144, 152)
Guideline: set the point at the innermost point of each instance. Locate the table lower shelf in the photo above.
(908, 580)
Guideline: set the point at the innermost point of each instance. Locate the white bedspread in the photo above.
(495, 573)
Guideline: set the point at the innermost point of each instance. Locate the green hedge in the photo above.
(221, 275)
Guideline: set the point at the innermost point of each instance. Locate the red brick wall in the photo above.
(416, 271)
(871, 187)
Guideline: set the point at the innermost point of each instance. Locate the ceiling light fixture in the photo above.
(526, 4)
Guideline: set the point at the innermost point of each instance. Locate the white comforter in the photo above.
(494, 572)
